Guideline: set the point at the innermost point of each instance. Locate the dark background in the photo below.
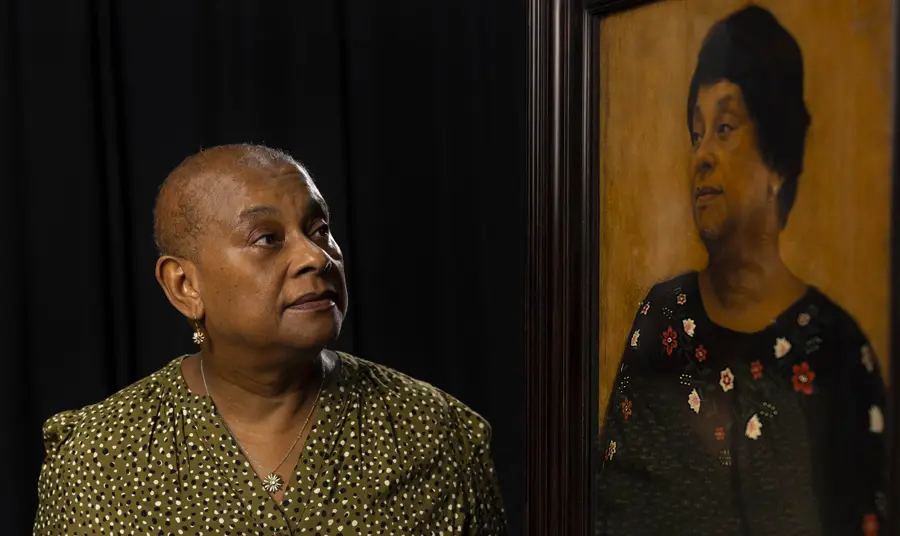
(409, 114)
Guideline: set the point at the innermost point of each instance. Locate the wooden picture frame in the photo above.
(562, 304)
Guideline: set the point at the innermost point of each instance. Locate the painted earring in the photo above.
(199, 337)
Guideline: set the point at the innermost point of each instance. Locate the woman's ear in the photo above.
(179, 279)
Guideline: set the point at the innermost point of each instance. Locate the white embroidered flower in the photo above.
(694, 401)
(611, 450)
(876, 420)
(754, 427)
(689, 326)
(726, 380)
(634, 338)
(645, 309)
(867, 360)
(682, 298)
(782, 347)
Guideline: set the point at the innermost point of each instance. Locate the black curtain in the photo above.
(409, 114)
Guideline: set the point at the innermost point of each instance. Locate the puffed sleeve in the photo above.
(57, 431)
(486, 514)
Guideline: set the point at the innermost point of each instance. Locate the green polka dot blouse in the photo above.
(386, 455)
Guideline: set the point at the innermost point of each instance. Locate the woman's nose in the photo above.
(309, 257)
(704, 159)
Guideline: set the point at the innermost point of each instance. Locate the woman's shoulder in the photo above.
(669, 294)
(400, 392)
(685, 283)
(826, 321)
(101, 419)
(828, 313)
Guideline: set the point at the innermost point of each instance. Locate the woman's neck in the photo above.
(270, 396)
(746, 285)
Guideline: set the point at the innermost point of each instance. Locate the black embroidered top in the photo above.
(711, 431)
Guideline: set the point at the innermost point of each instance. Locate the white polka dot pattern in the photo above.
(387, 455)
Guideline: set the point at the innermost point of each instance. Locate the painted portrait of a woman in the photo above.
(746, 401)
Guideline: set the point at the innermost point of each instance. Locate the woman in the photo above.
(264, 430)
(747, 402)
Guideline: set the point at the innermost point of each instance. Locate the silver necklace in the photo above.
(272, 482)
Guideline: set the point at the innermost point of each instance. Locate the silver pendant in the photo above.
(273, 483)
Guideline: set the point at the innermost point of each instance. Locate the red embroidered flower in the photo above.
(668, 340)
(626, 408)
(803, 378)
(720, 433)
(700, 353)
(870, 525)
(756, 369)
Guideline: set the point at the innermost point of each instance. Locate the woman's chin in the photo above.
(313, 335)
(708, 233)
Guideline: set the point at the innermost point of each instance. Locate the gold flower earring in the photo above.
(199, 336)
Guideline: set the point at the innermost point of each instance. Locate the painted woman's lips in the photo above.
(706, 194)
(314, 301)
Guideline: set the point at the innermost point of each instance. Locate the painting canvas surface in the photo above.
(837, 234)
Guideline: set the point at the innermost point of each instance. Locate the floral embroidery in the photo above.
(668, 340)
(700, 353)
(694, 401)
(611, 450)
(756, 369)
(725, 457)
(681, 299)
(727, 380)
(803, 319)
(634, 338)
(770, 410)
(645, 309)
(626, 408)
(876, 420)
(803, 378)
(689, 326)
(867, 360)
(782, 347)
(720, 433)
(870, 525)
(754, 428)
(813, 344)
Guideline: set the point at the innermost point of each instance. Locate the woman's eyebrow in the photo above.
(257, 211)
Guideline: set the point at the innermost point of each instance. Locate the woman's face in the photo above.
(270, 272)
(731, 187)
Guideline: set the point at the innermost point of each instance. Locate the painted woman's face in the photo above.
(731, 185)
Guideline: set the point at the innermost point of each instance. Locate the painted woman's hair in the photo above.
(751, 49)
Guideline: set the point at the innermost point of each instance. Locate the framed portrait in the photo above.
(713, 243)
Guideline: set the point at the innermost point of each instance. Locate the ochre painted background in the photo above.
(837, 236)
